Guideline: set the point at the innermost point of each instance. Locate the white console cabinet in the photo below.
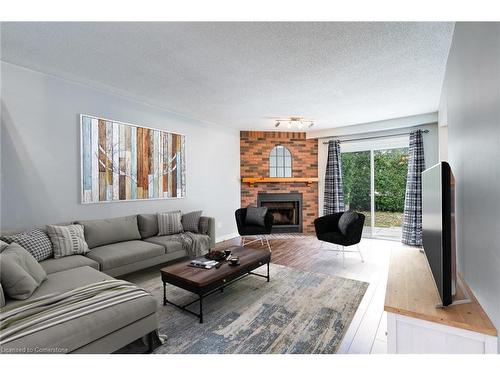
(416, 325)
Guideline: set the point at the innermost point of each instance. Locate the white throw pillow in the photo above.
(67, 240)
(169, 223)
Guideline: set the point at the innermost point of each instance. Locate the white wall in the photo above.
(431, 144)
(40, 158)
(470, 106)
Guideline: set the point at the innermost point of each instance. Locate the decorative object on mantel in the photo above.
(293, 121)
(123, 162)
(262, 180)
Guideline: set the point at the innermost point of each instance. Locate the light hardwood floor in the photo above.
(367, 332)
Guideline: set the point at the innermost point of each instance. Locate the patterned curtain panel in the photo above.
(412, 221)
(334, 194)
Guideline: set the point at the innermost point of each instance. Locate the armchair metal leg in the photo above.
(360, 254)
(268, 245)
(243, 241)
(341, 249)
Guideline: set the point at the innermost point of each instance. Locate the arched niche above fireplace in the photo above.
(280, 162)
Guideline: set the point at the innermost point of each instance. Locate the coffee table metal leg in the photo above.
(268, 272)
(164, 293)
(201, 308)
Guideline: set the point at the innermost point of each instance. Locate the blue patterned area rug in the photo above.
(296, 312)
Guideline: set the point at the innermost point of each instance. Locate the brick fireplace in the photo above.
(255, 148)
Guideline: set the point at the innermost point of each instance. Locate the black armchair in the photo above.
(254, 230)
(327, 230)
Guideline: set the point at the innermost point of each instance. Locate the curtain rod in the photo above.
(375, 137)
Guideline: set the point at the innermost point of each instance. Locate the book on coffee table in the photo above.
(203, 263)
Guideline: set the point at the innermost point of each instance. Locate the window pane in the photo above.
(281, 172)
(288, 162)
(272, 172)
(272, 161)
(356, 177)
(390, 168)
(288, 172)
(280, 150)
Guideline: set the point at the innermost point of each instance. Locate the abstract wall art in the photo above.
(123, 162)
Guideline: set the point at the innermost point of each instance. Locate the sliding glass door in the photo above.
(356, 176)
(390, 169)
(374, 184)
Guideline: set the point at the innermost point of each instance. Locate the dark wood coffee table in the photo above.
(205, 282)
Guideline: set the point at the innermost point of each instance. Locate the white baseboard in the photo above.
(226, 237)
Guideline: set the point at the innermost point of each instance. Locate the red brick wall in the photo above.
(255, 148)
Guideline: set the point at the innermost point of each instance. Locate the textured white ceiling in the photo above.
(237, 74)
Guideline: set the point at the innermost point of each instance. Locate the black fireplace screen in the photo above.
(284, 213)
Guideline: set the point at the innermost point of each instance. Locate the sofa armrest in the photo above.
(207, 226)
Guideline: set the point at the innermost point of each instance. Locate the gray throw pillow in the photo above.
(169, 223)
(20, 273)
(107, 231)
(346, 220)
(204, 225)
(2, 297)
(67, 240)
(148, 225)
(256, 216)
(190, 221)
(35, 241)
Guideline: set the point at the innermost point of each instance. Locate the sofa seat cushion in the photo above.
(123, 253)
(73, 261)
(83, 330)
(170, 245)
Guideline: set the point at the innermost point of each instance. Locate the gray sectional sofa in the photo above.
(117, 246)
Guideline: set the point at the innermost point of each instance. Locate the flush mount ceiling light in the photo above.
(293, 122)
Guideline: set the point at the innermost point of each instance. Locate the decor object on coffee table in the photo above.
(122, 162)
(249, 229)
(341, 228)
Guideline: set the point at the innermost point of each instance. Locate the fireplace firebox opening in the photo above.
(286, 209)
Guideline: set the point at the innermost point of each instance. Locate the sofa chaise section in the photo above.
(102, 331)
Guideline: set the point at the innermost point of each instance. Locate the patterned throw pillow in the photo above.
(67, 240)
(35, 241)
(169, 223)
(191, 221)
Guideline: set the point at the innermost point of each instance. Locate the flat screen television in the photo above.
(438, 228)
